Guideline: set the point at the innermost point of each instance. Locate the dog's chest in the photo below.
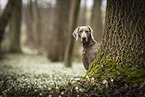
(90, 52)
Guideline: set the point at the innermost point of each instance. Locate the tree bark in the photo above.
(4, 18)
(58, 40)
(97, 20)
(74, 10)
(122, 52)
(16, 28)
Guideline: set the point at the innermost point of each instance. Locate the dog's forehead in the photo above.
(84, 28)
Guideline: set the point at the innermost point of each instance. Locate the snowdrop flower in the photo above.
(112, 80)
(49, 88)
(87, 76)
(40, 94)
(80, 90)
(76, 88)
(50, 75)
(50, 96)
(57, 87)
(77, 78)
(104, 81)
(62, 93)
(92, 79)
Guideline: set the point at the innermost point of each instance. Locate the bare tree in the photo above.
(74, 10)
(58, 37)
(97, 20)
(4, 18)
(16, 28)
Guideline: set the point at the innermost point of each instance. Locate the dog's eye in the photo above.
(87, 31)
(81, 31)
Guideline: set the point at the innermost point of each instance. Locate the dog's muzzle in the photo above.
(84, 37)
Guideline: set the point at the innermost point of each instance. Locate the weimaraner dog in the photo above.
(90, 46)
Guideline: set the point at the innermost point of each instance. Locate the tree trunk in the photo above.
(122, 52)
(74, 10)
(29, 20)
(58, 40)
(39, 28)
(4, 18)
(97, 21)
(16, 28)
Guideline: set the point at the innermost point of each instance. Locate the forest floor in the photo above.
(34, 75)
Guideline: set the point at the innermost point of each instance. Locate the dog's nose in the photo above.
(84, 38)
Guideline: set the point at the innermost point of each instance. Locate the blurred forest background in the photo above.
(45, 26)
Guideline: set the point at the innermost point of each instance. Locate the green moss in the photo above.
(126, 70)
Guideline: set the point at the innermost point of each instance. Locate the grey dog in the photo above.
(90, 46)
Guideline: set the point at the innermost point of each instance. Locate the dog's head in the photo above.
(84, 32)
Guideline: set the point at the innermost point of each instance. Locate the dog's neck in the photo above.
(88, 43)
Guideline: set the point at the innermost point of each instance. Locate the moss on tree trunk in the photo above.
(122, 52)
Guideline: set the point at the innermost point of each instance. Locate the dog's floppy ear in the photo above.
(75, 33)
(91, 30)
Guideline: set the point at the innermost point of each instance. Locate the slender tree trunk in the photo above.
(16, 28)
(122, 53)
(97, 20)
(39, 28)
(58, 40)
(74, 10)
(4, 18)
(29, 20)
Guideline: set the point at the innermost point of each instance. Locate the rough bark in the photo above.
(16, 28)
(58, 40)
(74, 10)
(4, 18)
(122, 51)
(97, 20)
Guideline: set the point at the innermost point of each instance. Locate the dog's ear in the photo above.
(75, 33)
(91, 30)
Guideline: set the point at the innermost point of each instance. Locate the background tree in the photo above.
(16, 28)
(97, 20)
(74, 10)
(122, 52)
(58, 38)
(4, 18)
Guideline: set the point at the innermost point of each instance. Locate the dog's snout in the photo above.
(84, 38)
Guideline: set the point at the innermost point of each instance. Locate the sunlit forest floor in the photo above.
(34, 75)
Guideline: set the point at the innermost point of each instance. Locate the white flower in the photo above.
(80, 90)
(40, 94)
(77, 78)
(50, 96)
(112, 80)
(104, 81)
(57, 87)
(87, 76)
(76, 88)
(62, 93)
(49, 88)
(92, 79)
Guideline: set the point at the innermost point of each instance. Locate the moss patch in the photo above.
(124, 71)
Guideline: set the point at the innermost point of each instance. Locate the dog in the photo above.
(90, 46)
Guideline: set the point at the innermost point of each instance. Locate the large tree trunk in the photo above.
(16, 28)
(58, 39)
(122, 53)
(4, 18)
(74, 10)
(97, 21)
